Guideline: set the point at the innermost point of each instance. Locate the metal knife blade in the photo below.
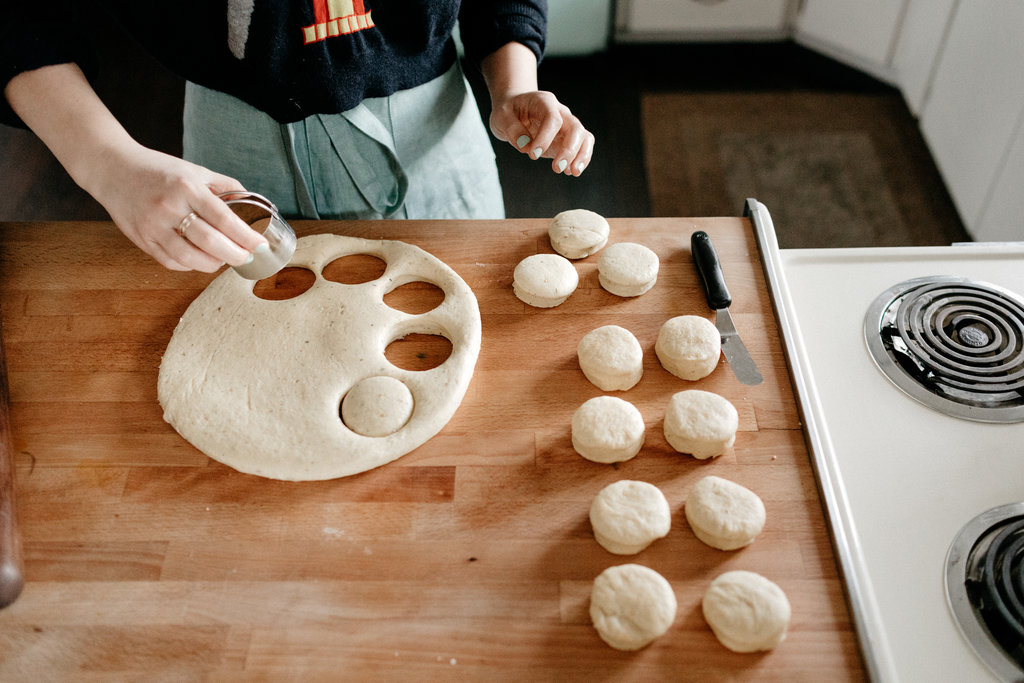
(709, 268)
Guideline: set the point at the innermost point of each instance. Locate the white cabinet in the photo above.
(701, 20)
(1002, 219)
(921, 40)
(958, 63)
(960, 67)
(860, 33)
(972, 113)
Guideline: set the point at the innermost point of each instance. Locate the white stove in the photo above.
(902, 475)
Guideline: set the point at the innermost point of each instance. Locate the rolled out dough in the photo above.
(258, 384)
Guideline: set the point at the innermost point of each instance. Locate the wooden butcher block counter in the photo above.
(470, 558)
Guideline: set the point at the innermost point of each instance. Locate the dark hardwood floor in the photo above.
(604, 90)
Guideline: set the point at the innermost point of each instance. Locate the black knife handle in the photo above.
(710, 270)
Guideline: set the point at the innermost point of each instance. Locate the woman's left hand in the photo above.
(533, 120)
(537, 124)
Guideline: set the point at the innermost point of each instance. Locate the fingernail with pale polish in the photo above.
(249, 259)
(562, 164)
(522, 141)
(263, 248)
(580, 166)
(537, 152)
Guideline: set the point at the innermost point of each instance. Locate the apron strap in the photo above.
(303, 195)
(363, 146)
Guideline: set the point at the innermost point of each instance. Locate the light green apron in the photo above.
(420, 153)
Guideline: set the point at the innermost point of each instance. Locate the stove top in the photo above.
(901, 474)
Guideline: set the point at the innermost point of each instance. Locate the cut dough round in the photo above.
(544, 280)
(746, 611)
(628, 516)
(627, 269)
(258, 384)
(724, 514)
(631, 605)
(700, 423)
(377, 406)
(578, 233)
(689, 346)
(611, 358)
(607, 429)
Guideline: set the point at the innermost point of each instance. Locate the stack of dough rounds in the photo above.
(544, 280)
(746, 611)
(628, 516)
(724, 514)
(631, 605)
(689, 346)
(627, 269)
(578, 233)
(611, 358)
(700, 423)
(607, 429)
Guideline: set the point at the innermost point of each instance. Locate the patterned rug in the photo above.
(835, 170)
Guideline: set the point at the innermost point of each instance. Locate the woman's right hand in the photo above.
(148, 194)
(152, 196)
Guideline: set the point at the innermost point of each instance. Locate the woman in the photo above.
(332, 108)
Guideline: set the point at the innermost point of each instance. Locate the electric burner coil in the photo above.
(954, 345)
(985, 588)
(995, 584)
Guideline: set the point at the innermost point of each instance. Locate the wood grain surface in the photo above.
(12, 566)
(470, 558)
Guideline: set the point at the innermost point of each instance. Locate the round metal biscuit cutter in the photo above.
(261, 215)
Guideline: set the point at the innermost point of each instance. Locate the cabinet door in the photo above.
(920, 42)
(1003, 217)
(860, 33)
(700, 20)
(974, 107)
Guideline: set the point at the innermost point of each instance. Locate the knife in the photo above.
(710, 270)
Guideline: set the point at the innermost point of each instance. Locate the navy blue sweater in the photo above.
(288, 58)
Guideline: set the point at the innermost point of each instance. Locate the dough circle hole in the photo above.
(354, 269)
(287, 283)
(415, 297)
(418, 352)
(377, 406)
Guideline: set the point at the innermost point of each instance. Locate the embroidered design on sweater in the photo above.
(336, 18)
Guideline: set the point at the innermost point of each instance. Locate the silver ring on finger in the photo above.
(183, 226)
